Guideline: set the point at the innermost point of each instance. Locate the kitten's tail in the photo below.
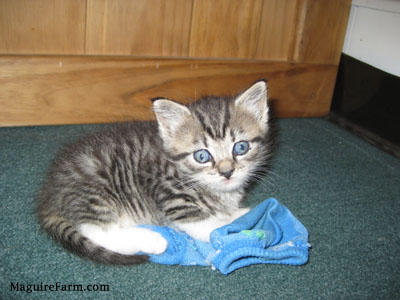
(68, 236)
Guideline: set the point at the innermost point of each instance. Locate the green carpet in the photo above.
(346, 193)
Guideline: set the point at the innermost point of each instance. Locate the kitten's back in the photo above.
(95, 168)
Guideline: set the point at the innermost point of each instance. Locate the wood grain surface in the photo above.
(72, 90)
(42, 27)
(321, 27)
(180, 49)
(225, 28)
(140, 27)
(310, 31)
(276, 36)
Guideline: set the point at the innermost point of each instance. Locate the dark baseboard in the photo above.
(365, 134)
(366, 101)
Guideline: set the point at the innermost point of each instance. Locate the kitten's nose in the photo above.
(226, 168)
(227, 174)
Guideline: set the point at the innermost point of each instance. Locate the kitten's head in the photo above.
(219, 143)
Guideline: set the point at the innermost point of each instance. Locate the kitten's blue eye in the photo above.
(241, 148)
(202, 156)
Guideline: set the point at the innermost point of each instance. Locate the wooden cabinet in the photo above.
(110, 56)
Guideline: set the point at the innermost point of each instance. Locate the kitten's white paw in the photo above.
(154, 243)
(128, 241)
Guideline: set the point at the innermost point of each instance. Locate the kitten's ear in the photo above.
(170, 115)
(254, 100)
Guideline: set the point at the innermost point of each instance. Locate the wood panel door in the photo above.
(111, 56)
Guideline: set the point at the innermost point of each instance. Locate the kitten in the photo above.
(187, 170)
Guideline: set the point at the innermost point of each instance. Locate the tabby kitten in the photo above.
(187, 170)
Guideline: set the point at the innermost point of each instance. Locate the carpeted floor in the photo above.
(346, 192)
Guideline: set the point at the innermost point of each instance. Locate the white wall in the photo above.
(373, 34)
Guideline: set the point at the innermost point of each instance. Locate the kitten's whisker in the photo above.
(277, 175)
(263, 180)
(183, 187)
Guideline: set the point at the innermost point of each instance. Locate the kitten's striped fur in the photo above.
(101, 187)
